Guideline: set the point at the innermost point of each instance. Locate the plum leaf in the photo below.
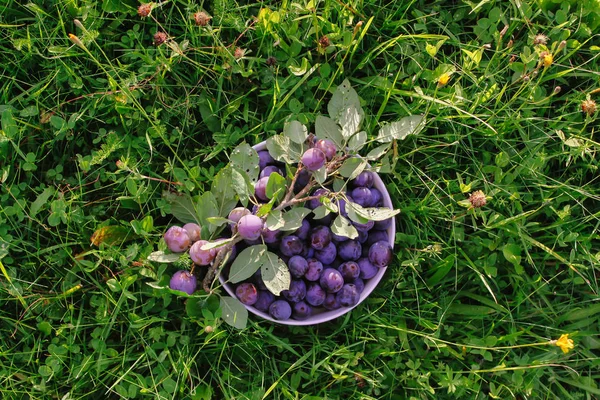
(342, 227)
(216, 244)
(293, 218)
(354, 214)
(275, 220)
(320, 175)
(247, 263)
(329, 204)
(399, 130)
(224, 193)
(111, 235)
(357, 141)
(233, 312)
(326, 128)
(350, 121)
(245, 158)
(352, 167)
(344, 97)
(295, 131)
(218, 221)
(207, 207)
(321, 212)
(181, 207)
(242, 185)
(275, 185)
(275, 274)
(373, 213)
(279, 147)
(377, 152)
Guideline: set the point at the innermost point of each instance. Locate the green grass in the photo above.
(474, 295)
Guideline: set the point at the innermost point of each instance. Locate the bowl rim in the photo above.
(370, 284)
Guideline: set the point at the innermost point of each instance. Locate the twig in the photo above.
(222, 255)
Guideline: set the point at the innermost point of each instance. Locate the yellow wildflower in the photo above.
(443, 80)
(547, 60)
(565, 343)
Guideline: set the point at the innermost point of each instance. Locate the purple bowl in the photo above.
(325, 316)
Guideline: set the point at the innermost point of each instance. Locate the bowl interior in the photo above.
(370, 284)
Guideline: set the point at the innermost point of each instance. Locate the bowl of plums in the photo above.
(336, 241)
(298, 229)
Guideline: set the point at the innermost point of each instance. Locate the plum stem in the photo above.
(288, 200)
(222, 256)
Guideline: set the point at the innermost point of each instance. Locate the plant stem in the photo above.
(221, 256)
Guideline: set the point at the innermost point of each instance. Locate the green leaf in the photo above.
(431, 49)
(29, 166)
(29, 111)
(217, 221)
(293, 218)
(9, 126)
(275, 220)
(440, 270)
(111, 234)
(275, 184)
(245, 158)
(167, 289)
(247, 263)
(377, 152)
(242, 185)
(208, 208)
(320, 175)
(194, 308)
(343, 98)
(224, 194)
(295, 131)
(338, 184)
(45, 328)
(321, 212)
(352, 167)
(512, 253)
(233, 312)
(114, 285)
(45, 371)
(144, 226)
(357, 141)
(275, 274)
(300, 70)
(57, 122)
(354, 214)
(329, 204)
(132, 186)
(279, 147)
(474, 311)
(326, 128)
(399, 130)
(162, 257)
(266, 208)
(215, 244)
(342, 227)
(210, 119)
(111, 6)
(580, 313)
(350, 121)
(40, 201)
(375, 214)
(182, 207)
